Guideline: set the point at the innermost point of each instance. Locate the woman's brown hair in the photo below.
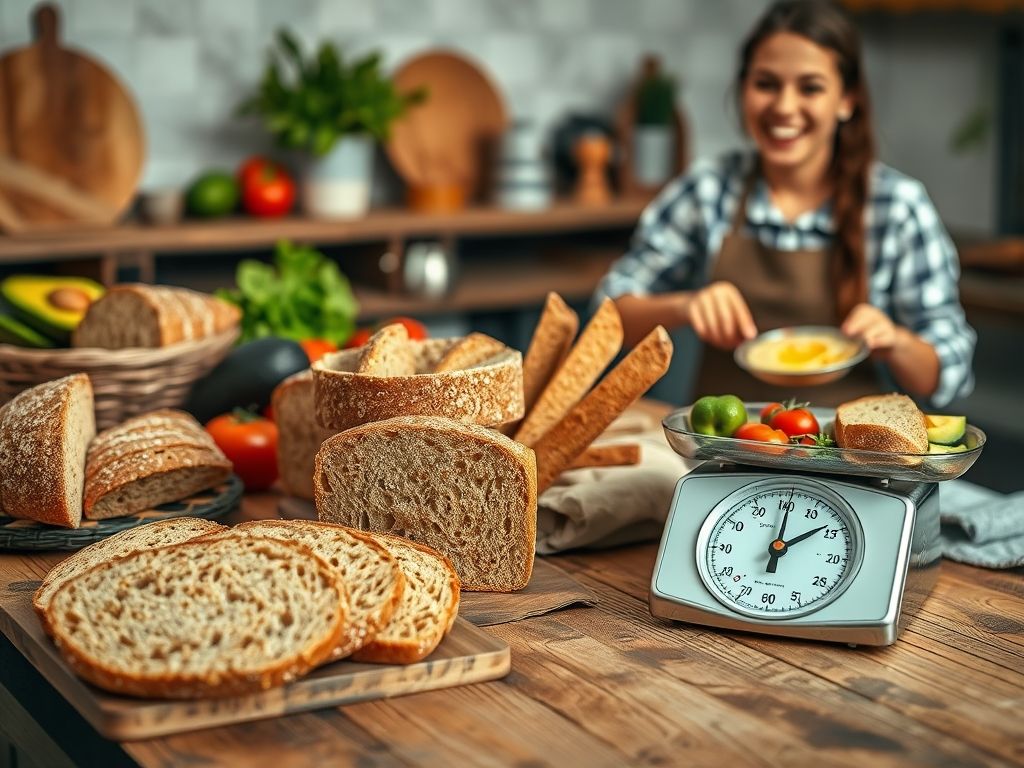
(828, 26)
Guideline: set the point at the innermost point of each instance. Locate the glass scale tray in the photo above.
(808, 458)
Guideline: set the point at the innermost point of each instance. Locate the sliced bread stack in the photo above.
(141, 315)
(148, 460)
(44, 434)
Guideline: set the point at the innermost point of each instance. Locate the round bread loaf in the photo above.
(489, 393)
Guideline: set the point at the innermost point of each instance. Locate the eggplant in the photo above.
(246, 377)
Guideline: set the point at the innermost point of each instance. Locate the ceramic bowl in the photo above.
(812, 352)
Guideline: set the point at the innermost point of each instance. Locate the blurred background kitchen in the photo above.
(531, 136)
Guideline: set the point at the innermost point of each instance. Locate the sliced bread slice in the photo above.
(472, 349)
(374, 578)
(427, 610)
(44, 435)
(150, 536)
(387, 353)
(888, 423)
(200, 618)
(467, 491)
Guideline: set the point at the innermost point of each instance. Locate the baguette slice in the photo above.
(200, 618)
(44, 435)
(600, 341)
(387, 353)
(374, 578)
(299, 435)
(427, 610)
(473, 349)
(614, 455)
(644, 365)
(888, 423)
(150, 536)
(464, 490)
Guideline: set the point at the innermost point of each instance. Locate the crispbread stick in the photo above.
(600, 341)
(621, 455)
(561, 444)
(474, 348)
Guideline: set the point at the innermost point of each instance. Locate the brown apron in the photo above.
(782, 288)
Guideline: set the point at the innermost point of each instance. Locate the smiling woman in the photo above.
(808, 229)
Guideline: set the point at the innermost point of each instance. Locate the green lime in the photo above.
(214, 193)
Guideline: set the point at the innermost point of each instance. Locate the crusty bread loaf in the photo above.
(374, 578)
(627, 381)
(44, 434)
(149, 536)
(464, 490)
(140, 315)
(298, 434)
(612, 455)
(473, 349)
(387, 353)
(888, 423)
(151, 459)
(600, 341)
(489, 393)
(200, 618)
(427, 610)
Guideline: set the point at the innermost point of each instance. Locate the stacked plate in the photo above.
(523, 178)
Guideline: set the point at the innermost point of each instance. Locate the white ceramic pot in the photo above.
(653, 154)
(337, 185)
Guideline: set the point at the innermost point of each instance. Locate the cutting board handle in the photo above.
(46, 24)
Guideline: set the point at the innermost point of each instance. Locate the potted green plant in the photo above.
(333, 111)
(654, 134)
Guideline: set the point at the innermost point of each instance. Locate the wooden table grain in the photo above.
(611, 685)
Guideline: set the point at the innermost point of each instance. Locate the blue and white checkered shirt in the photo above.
(913, 266)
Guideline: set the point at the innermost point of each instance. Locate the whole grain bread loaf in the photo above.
(200, 618)
(141, 315)
(44, 434)
(149, 536)
(489, 393)
(374, 578)
(298, 434)
(888, 423)
(427, 610)
(464, 490)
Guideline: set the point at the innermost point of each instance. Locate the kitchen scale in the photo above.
(829, 544)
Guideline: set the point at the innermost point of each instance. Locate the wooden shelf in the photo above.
(378, 225)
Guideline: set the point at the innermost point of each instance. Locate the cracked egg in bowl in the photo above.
(800, 356)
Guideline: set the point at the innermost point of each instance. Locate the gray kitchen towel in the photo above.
(980, 526)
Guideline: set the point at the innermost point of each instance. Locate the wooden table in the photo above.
(611, 685)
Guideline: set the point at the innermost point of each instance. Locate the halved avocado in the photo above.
(938, 448)
(14, 332)
(54, 306)
(945, 430)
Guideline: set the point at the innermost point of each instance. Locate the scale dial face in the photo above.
(779, 548)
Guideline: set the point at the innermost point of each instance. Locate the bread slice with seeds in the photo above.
(373, 576)
(201, 618)
(150, 536)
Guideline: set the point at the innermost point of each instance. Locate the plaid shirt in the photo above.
(912, 265)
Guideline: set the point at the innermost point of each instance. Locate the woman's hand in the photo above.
(872, 325)
(720, 316)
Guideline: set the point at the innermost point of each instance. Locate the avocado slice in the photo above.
(14, 332)
(53, 306)
(945, 430)
(938, 448)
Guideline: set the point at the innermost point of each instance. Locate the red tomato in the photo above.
(762, 433)
(820, 440)
(770, 410)
(795, 422)
(317, 348)
(414, 328)
(250, 443)
(358, 338)
(267, 190)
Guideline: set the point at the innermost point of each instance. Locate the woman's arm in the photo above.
(718, 314)
(912, 361)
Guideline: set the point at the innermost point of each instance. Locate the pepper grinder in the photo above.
(593, 151)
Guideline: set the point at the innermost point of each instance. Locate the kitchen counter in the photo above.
(610, 685)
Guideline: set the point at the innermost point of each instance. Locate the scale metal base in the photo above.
(883, 558)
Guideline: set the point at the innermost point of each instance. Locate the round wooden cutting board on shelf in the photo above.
(71, 141)
(441, 147)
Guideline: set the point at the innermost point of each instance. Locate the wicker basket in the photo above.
(125, 382)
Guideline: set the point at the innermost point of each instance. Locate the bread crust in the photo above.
(644, 365)
(299, 438)
(187, 686)
(490, 393)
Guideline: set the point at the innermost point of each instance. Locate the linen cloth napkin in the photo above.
(980, 526)
(606, 507)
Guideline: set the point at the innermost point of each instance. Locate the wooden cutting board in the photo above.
(466, 655)
(71, 141)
